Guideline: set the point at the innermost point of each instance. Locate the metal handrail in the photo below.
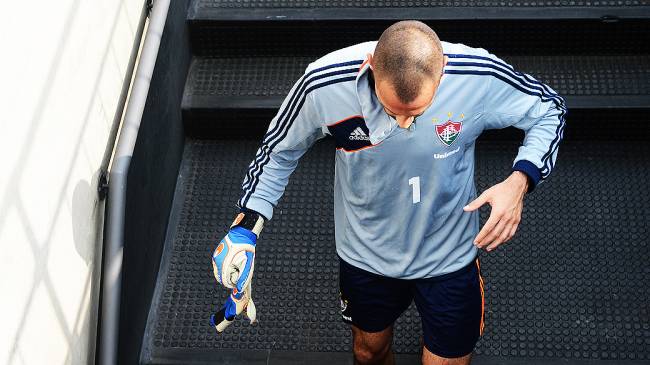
(114, 227)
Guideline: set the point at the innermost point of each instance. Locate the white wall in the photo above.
(62, 66)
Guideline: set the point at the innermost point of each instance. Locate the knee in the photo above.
(366, 355)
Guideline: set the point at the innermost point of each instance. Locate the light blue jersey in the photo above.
(399, 193)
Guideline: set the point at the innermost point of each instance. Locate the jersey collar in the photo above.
(378, 122)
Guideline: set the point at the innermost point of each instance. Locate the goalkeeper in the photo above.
(404, 112)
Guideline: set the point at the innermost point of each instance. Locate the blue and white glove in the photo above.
(234, 305)
(233, 264)
(234, 258)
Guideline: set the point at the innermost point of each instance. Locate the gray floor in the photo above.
(572, 285)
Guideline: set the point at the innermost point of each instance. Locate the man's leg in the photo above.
(451, 308)
(431, 359)
(373, 347)
(370, 304)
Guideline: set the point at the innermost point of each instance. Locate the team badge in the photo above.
(345, 309)
(449, 131)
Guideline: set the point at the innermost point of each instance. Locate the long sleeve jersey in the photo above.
(399, 193)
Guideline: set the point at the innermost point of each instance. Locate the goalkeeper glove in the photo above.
(234, 305)
(233, 259)
(233, 267)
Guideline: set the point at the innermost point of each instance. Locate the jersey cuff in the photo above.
(249, 211)
(528, 168)
(261, 206)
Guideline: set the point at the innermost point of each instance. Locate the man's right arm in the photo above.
(294, 129)
(291, 132)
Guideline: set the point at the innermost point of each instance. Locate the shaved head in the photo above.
(409, 57)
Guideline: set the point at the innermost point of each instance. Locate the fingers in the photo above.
(506, 236)
(487, 228)
(234, 305)
(478, 202)
(215, 271)
(492, 234)
(218, 257)
(246, 273)
(251, 311)
(513, 231)
(502, 232)
(501, 238)
(225, 316)
(221, 325)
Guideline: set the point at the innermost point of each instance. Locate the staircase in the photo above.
(571, 287)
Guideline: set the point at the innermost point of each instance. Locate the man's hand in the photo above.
(235, 305)
(507, 202)
(233, 263)
(233, 259)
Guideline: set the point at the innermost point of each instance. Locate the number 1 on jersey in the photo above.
(415, 183)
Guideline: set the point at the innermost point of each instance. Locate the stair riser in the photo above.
(589, 125)
(314, 39)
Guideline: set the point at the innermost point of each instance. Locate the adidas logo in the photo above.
(359, 135)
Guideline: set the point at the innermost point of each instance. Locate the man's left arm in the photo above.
(516, 99)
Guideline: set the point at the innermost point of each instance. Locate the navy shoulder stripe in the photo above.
(290, 106)
(266, 156)
(515, 80)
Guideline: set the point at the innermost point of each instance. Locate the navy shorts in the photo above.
(451, 305)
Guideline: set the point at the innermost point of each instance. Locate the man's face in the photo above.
(405, 114)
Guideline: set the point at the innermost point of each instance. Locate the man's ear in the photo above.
(370, 61)
(444, 61)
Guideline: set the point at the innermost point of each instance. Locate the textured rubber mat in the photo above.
(573, 283)
(568, 75)
(229, 81)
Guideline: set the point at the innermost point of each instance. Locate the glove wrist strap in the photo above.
(250, 220)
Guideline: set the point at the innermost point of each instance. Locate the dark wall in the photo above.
(151, 181)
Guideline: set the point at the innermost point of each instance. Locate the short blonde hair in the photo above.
(408, 53)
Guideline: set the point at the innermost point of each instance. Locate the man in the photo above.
(404, 112)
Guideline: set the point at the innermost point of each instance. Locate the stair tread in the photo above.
(288, 10)
(570, 278)
(263, 82)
